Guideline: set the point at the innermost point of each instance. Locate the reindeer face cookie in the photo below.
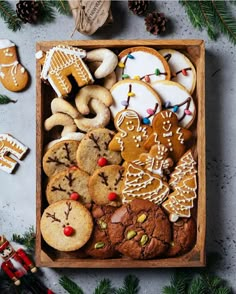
(93, 152)
(167, 131)
(105, 185)
(182, 69)
(131, 135)
(66, 225)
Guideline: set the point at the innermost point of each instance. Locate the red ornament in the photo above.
(68, 231)
(102, 161)
(74, 196)
(184, 72)
(187, 111)
(112, 196)
(147, 79)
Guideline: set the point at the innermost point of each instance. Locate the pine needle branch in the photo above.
(9, 16)
(46, 11)
(27, 239)
(70, 286)
(206, 11)
(104, 287)
(190, 8)
(225, 20)
(62, 6)
(131, 286)
(5, 99)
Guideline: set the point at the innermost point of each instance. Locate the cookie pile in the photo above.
(121, 177)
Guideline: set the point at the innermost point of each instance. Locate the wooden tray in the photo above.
(47, 256)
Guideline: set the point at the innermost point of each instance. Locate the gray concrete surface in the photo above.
(17, 192)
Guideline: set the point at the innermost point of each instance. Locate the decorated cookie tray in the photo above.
(47, 255)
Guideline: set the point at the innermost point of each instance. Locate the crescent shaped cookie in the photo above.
(177, 99)
(182, 69)
(142, 63)
(137, 96)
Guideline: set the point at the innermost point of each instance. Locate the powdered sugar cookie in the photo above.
(131, 135)
(60, 62)
(75, 136)
(137, 96)
(142, 63)
(177, 99)
(182, 69)
(71, 183)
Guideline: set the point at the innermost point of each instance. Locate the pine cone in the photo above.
(155, 23)
(27, 11)
(138, 7)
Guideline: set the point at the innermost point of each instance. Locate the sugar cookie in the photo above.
(135, 95)
(66, 225)
(71, 183)
(10, 145)
(167, 131)
(131, 135)
(177, 99)
(60, 119)
(60, 62)
(182, 69)
(142, 63)
(13, 75)
(94, 148)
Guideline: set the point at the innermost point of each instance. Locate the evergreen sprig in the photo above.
(131, 285)
(9, 16)
(46, 11)
(62, 6)
(215, 16)
(70, 286)
(5, 99)
(104, 287)
(27, 239)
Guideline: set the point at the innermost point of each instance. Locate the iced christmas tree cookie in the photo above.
(142, 63)
(167, 131)
(182, 69)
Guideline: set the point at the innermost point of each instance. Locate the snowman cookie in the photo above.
(135, 95)
(66, 225)
(131, 135)
(177, 99)
(182, 69)
(142, 63)
(167, 131)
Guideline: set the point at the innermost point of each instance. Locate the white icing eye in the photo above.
(168, 121)
(127, 123)
(164, 122)
(162, 153)
(158, 152)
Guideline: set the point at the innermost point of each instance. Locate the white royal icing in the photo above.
(177, 62)
(174, 93)
(5, 43)
(76, 136)
(144, 99)
(144, 63)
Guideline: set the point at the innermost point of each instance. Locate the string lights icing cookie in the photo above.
(167, 131)
(177, 99)
(13, 75)
(9, 145)
(137, 96)
(142, 63)
(182, 69)
(60, 62)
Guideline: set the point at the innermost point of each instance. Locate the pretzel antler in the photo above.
(53, 216)
(69, 208)
(104, 178)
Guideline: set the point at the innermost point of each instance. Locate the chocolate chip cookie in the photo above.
(99, 244)
(184, 237)
(140, 230)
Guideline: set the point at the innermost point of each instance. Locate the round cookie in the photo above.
(142, 63)
(105, 185)
(182, 69)
(99, 244)
(184, 237)
(60, 156)
(140, 230)
(66, 225)
(68, 183)
(177, 99)
(93, 147)
(135, 95)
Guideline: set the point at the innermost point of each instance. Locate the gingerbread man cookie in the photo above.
(167, 131)
(60, 62)
(131, 135)
(13, 75)
(8, 144)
